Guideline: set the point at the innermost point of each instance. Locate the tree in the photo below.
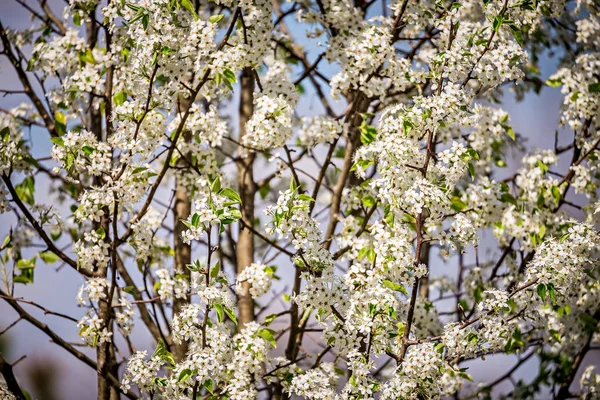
(179, 210)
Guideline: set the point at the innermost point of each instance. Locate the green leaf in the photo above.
(439, 347)
(554, 82)
(215, 19)
(48, 257)
(389, 215)
(466, 376)
(271, 270)
(26, 264)
(184, 375)
(88, 150)
(594, 87)
(7, 241)
(190, 7)
(195, 267)
(269, 318)
(293, 185)
(146, 22)
(138, 170)
(69, 161)
(371, 255)
(368, 201)
(227, 83)
(60, 123)
(5, 134)
(26, 189)
(216, 185)
(305, 197)
(367, 133)
(543, 167)
(518, 35)
(362, 253)
(551, 291)
(264, 190)
(471, 169)
(231, 314)
(364, 164)
(231, 195)
(208, 385)
(230, 217)
(542, 231)
(195, 220)
(160, 348)
(394, 286)
(88, 57)
(541, 291)
(230, 75)
(509, 131)
(130, 289)
(268, 335)
(473, 153)
(214, 271)
(25, 268)
(556, 194)
(25, 277)
(508, 198)
(58, 141)
(497, 22)
(219, 310)
(472, 338)
(161, 351)
(120, 98)
(457, 204)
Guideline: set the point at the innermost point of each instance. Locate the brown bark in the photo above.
(183, 252)
(247, 189)
(103, 350)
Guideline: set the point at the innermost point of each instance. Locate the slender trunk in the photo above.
(103, 350)
(114, 370)
(183, 252)
(247, 189)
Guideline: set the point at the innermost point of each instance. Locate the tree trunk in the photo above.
(183, 252)
(183, 256)
(247, 189)
(103, 353)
